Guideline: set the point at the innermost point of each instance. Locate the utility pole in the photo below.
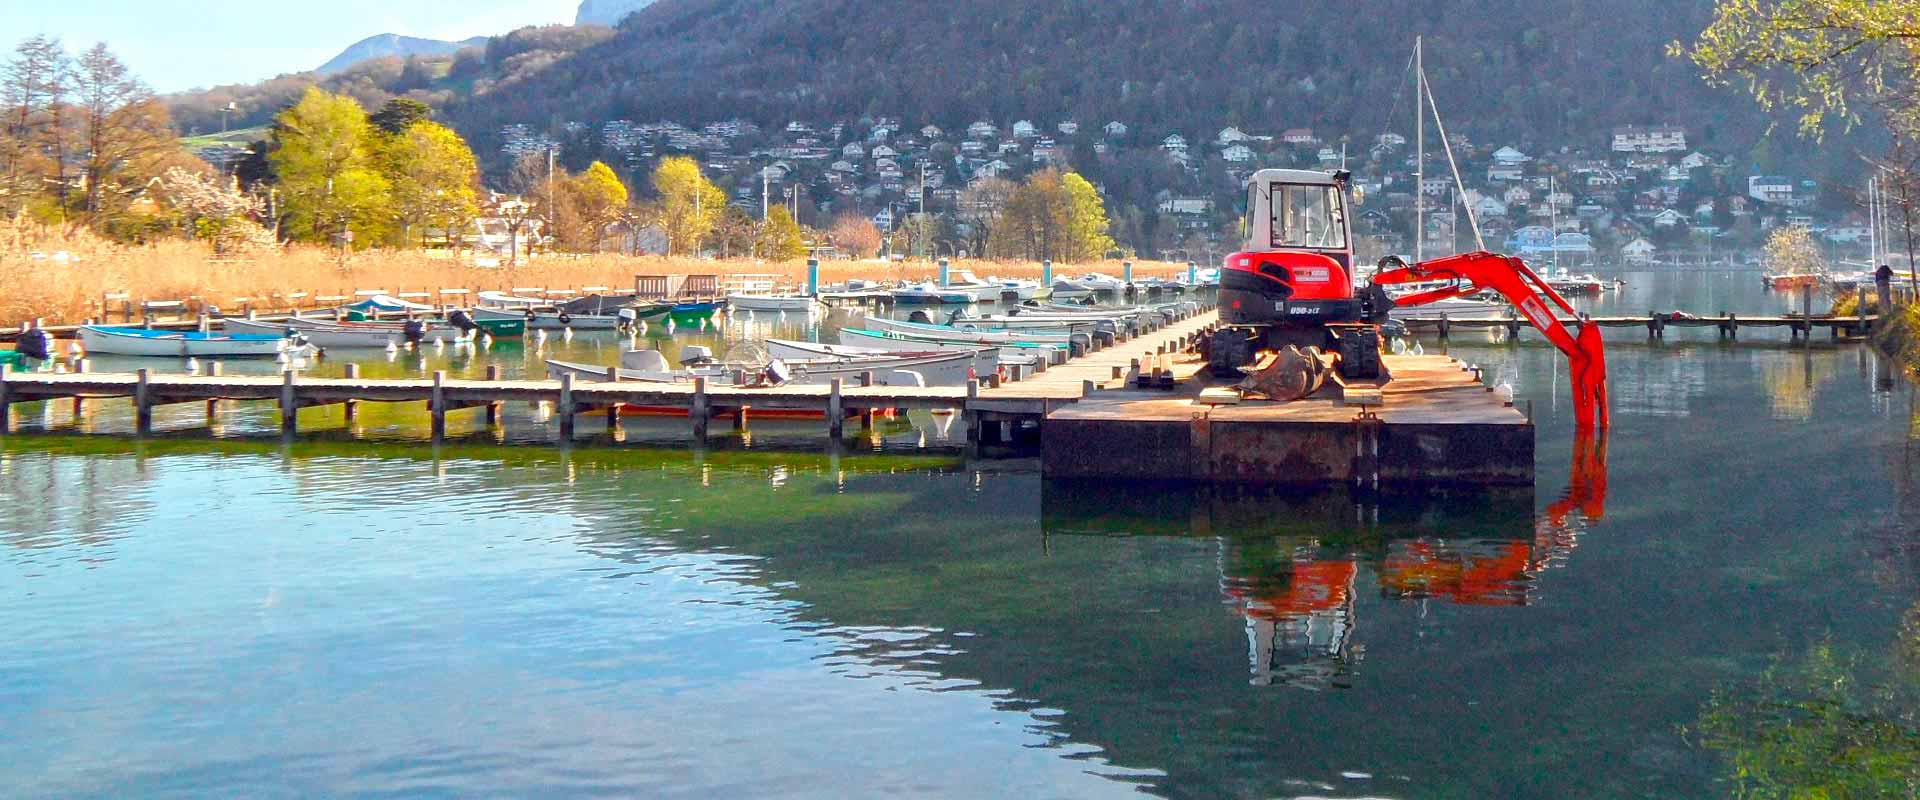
(766, 184)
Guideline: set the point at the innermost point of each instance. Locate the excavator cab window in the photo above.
(1309, 217)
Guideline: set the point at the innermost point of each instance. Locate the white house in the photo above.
(1116, 129)
(844, 165)
(1435, 187)
(1391, 140)
(1186, 205)
(1486, 205)
(1638, 251)
(1505, 172)
(854, 150)
(883, 151)
(1847, 233)
(1696, 160)
(1508, 156)
(1649, 139)
(983, 130)
(1174, 143)
(1770, 188)
(1668, 218)
(1025, 129)
(1517, 194)
(1237, 154)
(1231, 135)
(932, 132)
(1068, 128)
(1299, 136)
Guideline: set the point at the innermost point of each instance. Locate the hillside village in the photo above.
(1641, 193)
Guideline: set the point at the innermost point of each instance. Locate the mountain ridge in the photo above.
(392, 45)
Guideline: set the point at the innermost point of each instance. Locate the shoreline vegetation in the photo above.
(63, 280)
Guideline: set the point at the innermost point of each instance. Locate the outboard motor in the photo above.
(462, 321)
(776, 373)
(920, 317)
(696, 356)
(415, 331)
(36, 344)
(626, 319)
(1080, 344)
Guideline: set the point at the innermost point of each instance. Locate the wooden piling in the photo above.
(866, 414)
(352, 406)
(437, 404)
(565, 408)
(836, 410)
(142, 403)
(493, 408)
(289, 403)
(701, 407)
(6, 402)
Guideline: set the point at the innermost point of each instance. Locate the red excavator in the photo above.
(1294, 285)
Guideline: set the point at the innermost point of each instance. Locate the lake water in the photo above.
(360, 612)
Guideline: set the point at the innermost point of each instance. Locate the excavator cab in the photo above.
(1293, 281)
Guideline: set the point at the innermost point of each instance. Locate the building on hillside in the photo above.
(1649, 139)
(1505, 173)
(1116, 129)
(932, 133)
(1025, 129)
(1237, 154)
(1299, 137)
(1771, 189)
(1068, 128)
(983, 129)
(1186, 205)
(1668, 218)
(1510, 157)
(1231, 135)
(1638, 251)
(1174, 143)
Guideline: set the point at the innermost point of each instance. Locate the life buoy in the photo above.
(566, 318)
(529, 315)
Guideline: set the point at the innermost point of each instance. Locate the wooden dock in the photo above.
(1029, 393)
(1656, 324)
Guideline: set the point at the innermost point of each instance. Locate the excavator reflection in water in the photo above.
(1292, 565)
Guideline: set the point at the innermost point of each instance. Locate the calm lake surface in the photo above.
(229, 614)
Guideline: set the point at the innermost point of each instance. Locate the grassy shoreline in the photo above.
(65, 289)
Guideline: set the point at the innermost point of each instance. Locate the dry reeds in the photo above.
(65, 279)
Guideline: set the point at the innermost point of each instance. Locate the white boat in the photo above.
(1090, 283)
(503, 300)
(981, 291)
(855, 337)
(551, 320)
(325, 335)
(772, 302)
(977, 336)
(985, 359)
(184, 344)
(928, 369)
(1020, 290)
(1457, 308)
(929, 294)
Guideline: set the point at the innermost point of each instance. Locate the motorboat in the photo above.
(1090, 283)
(926, 293)
(1020, 290)
(156, 343)
(888, 369)
(986, 358)
(882, 340)
(1058, 335)
(502, 300)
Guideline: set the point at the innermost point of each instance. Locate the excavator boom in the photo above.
(1514, 280)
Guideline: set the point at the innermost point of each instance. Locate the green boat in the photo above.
(503, 328)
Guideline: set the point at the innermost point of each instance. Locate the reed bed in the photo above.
(70, 279)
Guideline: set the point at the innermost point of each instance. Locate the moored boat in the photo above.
(183, 344)
(772, 302)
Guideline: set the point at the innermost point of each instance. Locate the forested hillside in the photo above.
(1540, 75)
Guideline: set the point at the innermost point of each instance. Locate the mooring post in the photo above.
(700, 409)
(142, 405)
(6, 401)
(493, 406)
(836, 406)
(1087, 388)
(1446, 327)
(866, 414)
(437, 404)
(352, 405)
(289, 403)
(565, 407)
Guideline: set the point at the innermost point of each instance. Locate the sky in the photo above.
(174, 45)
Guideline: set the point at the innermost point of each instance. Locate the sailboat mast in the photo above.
(1419, 151)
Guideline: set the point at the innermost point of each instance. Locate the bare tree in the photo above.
(29, 84)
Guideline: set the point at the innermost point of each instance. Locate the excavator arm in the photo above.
(1514, 280)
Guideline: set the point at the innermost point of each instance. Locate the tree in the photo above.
(980, 208)
(322, 149)
(781, 238)
(734, 232)
(433, 176)
(600, 198)
(217, 212)
(399, 114)
(1792, 251)
(855, 235)
(1034, 223)
(689, 204)
(1817, 58)
(122, 127)
(1086, 235)
(32, 83)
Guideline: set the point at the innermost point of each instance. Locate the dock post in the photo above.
(142, 405)
(701, 408)
(1446, 327)
(289, 403)
(565, 409)
(493, 407)
(6, 402)
(82, 367)
(352, 406)
(836, 410)
(437, 404)
(866, 414)
(1087, 388)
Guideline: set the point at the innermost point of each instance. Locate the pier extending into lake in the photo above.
(1728, 325)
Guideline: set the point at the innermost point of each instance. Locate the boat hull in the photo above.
(547, 320)
(172, 344)
(753, 302)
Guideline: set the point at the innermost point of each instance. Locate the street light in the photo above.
(224, 111)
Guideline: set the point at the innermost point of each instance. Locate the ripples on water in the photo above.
(192, 616)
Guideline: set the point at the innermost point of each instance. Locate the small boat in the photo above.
(184, 344)
(985, 359)
(1020, 290)
(502, 300)
(549, 320)
(888, 369)
(947, 333)
(1791, 280)
(331, 334)
(1090, 283)
(1583, 283)
(384, 304)
(773, 302)
(929, 294)
(880, 340)
(1458, 307)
